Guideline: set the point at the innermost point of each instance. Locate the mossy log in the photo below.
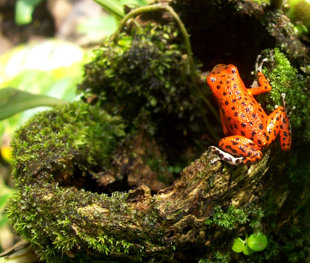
(63, 222)
(63, 211)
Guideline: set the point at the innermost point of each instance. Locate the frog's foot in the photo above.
(224, 156)
(241, 147)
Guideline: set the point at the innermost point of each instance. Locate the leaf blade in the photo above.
(114, 7)
(13, 101)
(257, 241)
(238, 245)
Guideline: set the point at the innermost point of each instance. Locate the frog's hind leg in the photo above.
(278, 123)
(241, 146)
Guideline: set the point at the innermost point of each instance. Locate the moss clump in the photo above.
(68, 139)
(53, 154)
(228, 220)
(233, 217)
(284, 78)
(226, 224)
(60, 223)
(145, 78)
(143, 71)
(218, 257)
(59, 207)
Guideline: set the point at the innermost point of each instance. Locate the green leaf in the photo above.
(49, 55)
(238, 245)
(257, 241)
(24, 10)
(52, 67)
(133, 3)
(13, 101)
(114, 7)
(247, 251)
(99, 25)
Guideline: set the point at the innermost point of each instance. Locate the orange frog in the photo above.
(248, 129)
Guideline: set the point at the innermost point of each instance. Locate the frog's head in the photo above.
(219, 78)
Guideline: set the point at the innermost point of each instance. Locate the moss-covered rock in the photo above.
(65, 142)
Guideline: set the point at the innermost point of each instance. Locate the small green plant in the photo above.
(256, 242)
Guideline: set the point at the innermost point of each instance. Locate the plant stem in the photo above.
(157, 7)
(276, 4)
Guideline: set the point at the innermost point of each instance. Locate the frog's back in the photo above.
(224, 80)
(242, 114)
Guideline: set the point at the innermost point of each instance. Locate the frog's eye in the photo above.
(213, 79)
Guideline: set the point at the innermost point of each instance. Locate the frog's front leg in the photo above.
(278, 123)
(263, 86)
(241, 146)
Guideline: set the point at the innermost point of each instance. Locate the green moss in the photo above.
(218, 257)
(284, 78)
(234, 217)
(71, 229)
(291, 242)
(231, 222)
(146, 75)
(68, 137)
(262, 2)
(53, 154)
(144, 70)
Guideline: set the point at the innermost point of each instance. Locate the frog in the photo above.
(246, 126)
